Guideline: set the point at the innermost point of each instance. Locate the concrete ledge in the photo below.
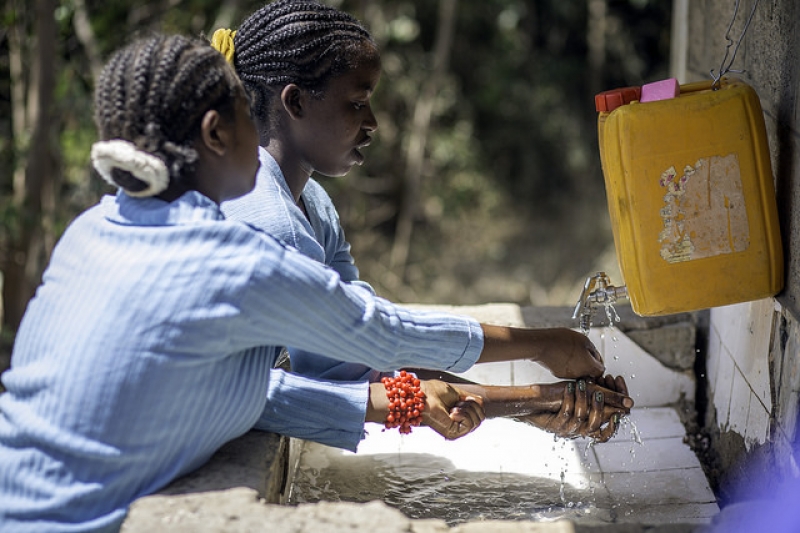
(242, 511)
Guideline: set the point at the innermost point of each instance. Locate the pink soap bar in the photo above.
(660, 90)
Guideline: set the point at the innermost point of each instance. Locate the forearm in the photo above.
(510, 401)
(501, 343)
(566, 353)
(377, 403)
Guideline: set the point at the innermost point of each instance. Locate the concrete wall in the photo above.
(753, 356)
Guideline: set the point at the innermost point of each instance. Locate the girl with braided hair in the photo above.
(311, 70)
(132, 364)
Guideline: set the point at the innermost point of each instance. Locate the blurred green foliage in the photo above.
(512, 203)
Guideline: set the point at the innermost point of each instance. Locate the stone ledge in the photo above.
(241, 510)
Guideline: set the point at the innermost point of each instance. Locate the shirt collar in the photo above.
(190, 208)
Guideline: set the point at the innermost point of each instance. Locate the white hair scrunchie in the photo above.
(117, 153)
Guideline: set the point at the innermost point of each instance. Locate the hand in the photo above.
(586, 409)
(569, 354)
(449, 411)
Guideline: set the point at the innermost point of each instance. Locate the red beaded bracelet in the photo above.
(406, 402)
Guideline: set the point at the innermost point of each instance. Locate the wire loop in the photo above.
(723, 67)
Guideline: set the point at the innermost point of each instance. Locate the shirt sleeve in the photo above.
(347, 322)
(322, 401)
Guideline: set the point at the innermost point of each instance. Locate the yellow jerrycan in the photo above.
(691, 197)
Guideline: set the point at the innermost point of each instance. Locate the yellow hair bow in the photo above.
(222, 41)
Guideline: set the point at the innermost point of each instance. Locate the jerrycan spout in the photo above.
(597, 291)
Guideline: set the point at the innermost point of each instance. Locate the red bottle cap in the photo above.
(610, 100)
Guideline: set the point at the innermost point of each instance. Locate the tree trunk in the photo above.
(35, 161)
(596, 43)
(415, 155)
(86, 35)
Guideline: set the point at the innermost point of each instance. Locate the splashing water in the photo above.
(517, 473)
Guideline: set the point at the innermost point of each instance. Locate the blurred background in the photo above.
(483, 183)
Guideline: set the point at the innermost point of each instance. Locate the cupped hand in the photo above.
(449, 411)
(586, 409)
(569, 354)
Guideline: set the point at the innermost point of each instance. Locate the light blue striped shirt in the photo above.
(134, 360)
(270, 207)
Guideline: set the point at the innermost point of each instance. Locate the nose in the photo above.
(370, 123)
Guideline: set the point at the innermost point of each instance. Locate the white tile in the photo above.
(651, 455)
(655, 423)
(723, 388)
(641, 370)
(740, 403)
(750, 347)
(757, 429)
(489, 373)
(728, 321)
(712, 358)
(645, 489)
(527, 372)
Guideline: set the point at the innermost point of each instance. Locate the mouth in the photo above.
(357, 150)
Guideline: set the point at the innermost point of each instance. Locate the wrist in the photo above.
(377, 403)
(406, 402)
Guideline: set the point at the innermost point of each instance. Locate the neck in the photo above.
(294, 173)
(173, 192)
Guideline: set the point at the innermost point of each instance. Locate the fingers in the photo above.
(469, 410)
(581, 413)
(596, 417)
(621, 385)
(616, 392)
(605, 433)
(451, 412)
(603, 415)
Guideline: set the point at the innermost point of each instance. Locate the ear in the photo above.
(293, 100)
(213, 134)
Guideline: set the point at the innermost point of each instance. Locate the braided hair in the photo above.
(296, 41)
(153, 94)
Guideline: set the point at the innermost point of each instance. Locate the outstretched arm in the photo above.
(566, 353)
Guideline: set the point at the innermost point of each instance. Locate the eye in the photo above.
(359, 105)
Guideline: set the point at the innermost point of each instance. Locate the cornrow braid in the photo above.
(295, 41)
(154, 92)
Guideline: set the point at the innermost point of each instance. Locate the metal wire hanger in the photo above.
(723, 67)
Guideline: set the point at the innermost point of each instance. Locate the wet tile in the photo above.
(749, 344)
(723, 387)
(681, 513)
(651, 455)
(624, 357)
(740, 403)
(654, 423)
(757, 428)
(712, 360)
(647, 489)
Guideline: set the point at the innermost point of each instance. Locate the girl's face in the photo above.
(337, 126)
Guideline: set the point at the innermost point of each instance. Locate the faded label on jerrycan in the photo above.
(704, 210)
(691, 198)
